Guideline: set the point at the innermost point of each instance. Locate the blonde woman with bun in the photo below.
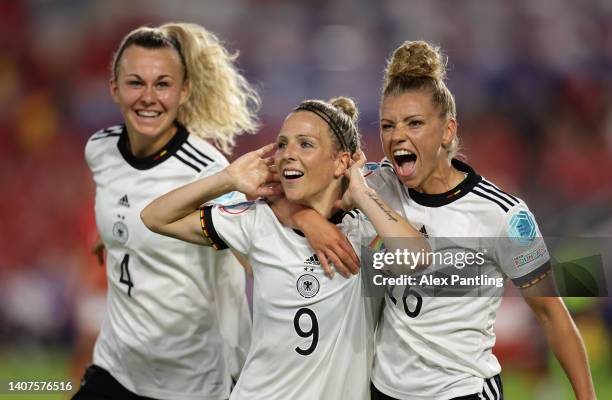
(177, 323)
(439, 348)
(312, 335)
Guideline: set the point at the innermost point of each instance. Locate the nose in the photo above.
(149, 96)
(288, 153)
(399, 134)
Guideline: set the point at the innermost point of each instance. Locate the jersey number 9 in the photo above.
(314, 330)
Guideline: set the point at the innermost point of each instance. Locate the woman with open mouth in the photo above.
(312, 335)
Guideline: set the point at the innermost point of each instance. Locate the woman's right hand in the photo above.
(330, 245)
(357, 182)
(252, 174)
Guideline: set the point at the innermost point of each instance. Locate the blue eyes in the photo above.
(305, 145)
(160, 85)
(411, 124)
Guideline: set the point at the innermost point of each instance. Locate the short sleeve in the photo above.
(521, 251)
(229, 198)
(229, 225)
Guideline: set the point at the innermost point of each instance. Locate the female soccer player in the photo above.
(440, 347)
(170, 304)
(310, 333)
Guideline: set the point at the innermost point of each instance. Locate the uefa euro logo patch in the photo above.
(522, 228)
(368, 168)
(238, 208)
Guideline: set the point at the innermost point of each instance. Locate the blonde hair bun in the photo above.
(347, 106)
(416, 59)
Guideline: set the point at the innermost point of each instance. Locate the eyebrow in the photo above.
(300, 136)
(405, 118)
(158, 78)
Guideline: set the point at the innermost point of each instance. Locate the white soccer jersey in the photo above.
(312, 336)
(441, 347)
(162, 336)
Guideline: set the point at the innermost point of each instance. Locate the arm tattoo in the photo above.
(380, 204)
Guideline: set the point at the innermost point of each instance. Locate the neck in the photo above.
(323, 202)
(443, 178)
(144, 146)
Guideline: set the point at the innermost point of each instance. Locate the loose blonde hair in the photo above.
(417, 65)
(221, 104)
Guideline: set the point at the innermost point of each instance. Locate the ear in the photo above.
(113, 87)
(185, 91)
(450, 130)
(343, 161)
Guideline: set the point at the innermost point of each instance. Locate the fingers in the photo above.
(351, 261)
(339, 205)
(270, 162)
(269, 190)
(262, 151)
(323, 260)
(338, 265)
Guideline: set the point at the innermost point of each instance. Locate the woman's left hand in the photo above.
(357, 183)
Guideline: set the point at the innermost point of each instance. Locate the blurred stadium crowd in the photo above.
(532, 80)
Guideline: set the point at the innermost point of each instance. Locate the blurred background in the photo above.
(533, 84)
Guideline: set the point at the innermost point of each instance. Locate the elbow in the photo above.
(149, 221)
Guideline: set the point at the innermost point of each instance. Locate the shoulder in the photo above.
(197, 152)
(495, 197)
(512, 212)
(100, 142)
(379, 174)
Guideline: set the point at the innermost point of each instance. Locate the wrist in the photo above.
(363, 195)
(226, 180)
(301, 217)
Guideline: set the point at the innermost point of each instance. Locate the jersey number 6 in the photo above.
(408, 292)
(314, 330)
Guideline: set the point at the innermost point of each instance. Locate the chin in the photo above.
(151, 130)
(292, 196)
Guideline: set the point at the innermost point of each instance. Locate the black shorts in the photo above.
(492, 390)
(98, 384)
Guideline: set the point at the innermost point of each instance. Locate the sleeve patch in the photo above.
(370, 167)
(235, 209)
(527, 258)
(522, 228)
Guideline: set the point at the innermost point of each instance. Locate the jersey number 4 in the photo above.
(314, 330)
(125, 277)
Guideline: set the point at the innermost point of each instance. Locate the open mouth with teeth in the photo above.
(405, 161)
(292, 174)
(148, 113)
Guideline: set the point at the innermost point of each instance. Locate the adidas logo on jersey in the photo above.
(124, 201)
(424, 231)
(313, 260)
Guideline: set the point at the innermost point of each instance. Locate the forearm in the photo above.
(179, 203)
(394, 230)
(567, 346)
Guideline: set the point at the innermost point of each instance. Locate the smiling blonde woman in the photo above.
(177, 323)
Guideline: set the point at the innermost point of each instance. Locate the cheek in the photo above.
(386, 143)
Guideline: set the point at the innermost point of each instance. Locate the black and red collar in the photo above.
(160, 156)
(442, 199)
